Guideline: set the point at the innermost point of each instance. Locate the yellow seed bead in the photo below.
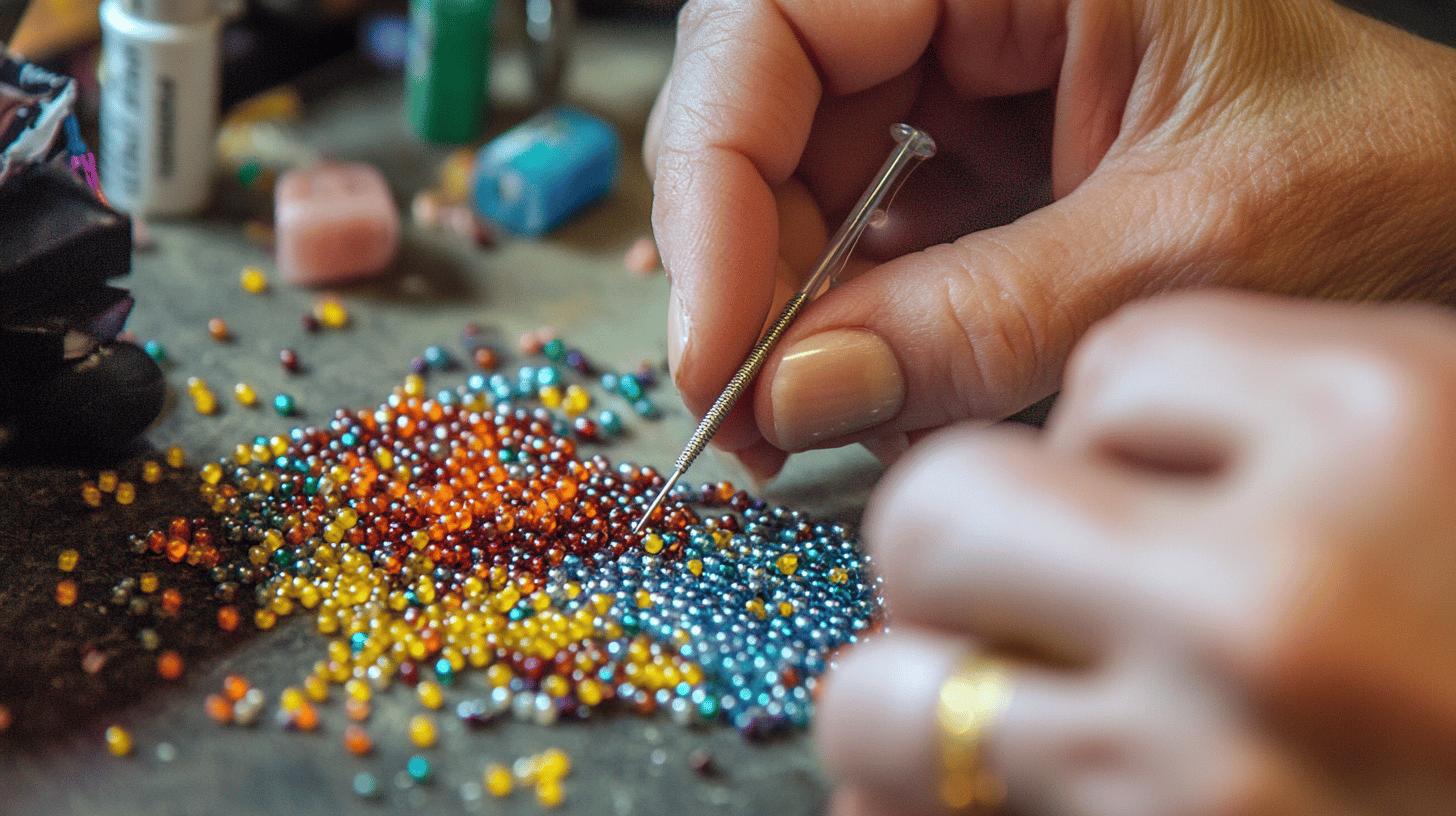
(788, 563)
(550, 396)
(430, 694)
(106, 480)
(589, 692)
(118, 741)
(414, 385)
(291, 699)
(554, 765)
(652, 543)
(91, 494)
(576, 400)
(695, 566)
(176, 457)
(757, 608)
(499, 675)
(151, 471)
(556, 685)
(148, 582)
(125, 493)
(316, 688)
(358, 689)
(331, 313)
(66, 561)
(548, 794)
(644, 599)
(204, 402)
(264, 619)
(422, 731)
(786, 609)
(253, 280)
(211, 473)
(498, 780)
(245, 394)
(838, 576)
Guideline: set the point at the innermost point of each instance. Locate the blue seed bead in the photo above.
(365, 785)
(284, 405)
(547, 376)
(418, 767)
(554, 349)
(155, 350)
(609, 382)
(438, 358)
(610, 422)
(646, 408)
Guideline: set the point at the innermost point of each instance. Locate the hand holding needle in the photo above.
(912, 146)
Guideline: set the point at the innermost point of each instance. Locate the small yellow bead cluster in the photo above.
(543, 771)
(109, 482)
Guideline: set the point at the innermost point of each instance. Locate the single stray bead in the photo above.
(91, 494)
(357, 741)
(125, 493)
(418, 768)
(169, 665)
(289, 358)
(118, 740)
(66, 592)
(218, 328)
(283, 404)
(430, 694)
(155, 350)
(176, 457)
(107, 480)
(365, 785)
(66, 561)
(245, 394)
(498, 780)
(253, 280)
(548, 793)
(331, 313)
(151, 472)
(422, 731)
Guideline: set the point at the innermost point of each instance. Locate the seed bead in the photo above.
(66, 561)
(66, 592)
(125, 493)
(253, 280)
(118, 741)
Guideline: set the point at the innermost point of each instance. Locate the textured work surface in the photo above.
(53, 759)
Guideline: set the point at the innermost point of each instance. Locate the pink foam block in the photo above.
(334, 222)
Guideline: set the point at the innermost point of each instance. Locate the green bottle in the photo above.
(448, 73)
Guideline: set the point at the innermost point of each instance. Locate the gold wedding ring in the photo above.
(970, 701)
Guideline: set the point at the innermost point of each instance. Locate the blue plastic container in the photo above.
(538, 174)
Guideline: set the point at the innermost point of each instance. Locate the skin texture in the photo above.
(1228, 563)
(1093, 152)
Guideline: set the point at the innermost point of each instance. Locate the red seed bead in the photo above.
(289, 359)
(169, 665)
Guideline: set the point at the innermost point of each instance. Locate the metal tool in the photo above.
(912, 147)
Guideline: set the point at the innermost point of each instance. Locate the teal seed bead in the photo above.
(284, 405)
(547, 376)
(646, 408)
(610, 422)
(609, 382)
(629, 387)
(366, 786)
(554, 350)
(155, 350)
(418, 768)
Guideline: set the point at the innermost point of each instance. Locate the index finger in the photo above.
(740, 105)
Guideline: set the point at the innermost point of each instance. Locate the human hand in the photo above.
(1232, 558)
(1288, 146)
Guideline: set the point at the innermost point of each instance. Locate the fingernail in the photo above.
(832, 384)
(677, 330)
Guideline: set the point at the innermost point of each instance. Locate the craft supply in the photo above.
(541, 172)
(642, 259)
(159, 104)
(334, 222)
(448, 68)
(912, 147)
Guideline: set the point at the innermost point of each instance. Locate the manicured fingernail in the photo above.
(677, 330)
(832, 384)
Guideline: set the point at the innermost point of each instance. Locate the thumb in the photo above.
(975, 329)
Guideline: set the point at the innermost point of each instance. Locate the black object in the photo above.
(64, 380)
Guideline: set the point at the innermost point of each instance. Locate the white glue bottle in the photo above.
(160, 75)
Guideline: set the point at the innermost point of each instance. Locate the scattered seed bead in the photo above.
(430, 694)
(289, 359)
(788, 563)
(418, 767)
(169, 665)
(284, 405)
(331, 313)
(357, 741)
(438, 358)
(265, 619)
(228, 618)
(151, 471)
(234, 686)
(218, 708)
(422, 731)
(486, 359)
(245, 395)
(107, 481)
(91, 494)
(253, 280)
(118, 740)
(147, 582)
(365, 785)
(66, 561)
(125, 493)
(357, 710)
(217, 328)
(176, 457)
(498, 781)
(155, 350)
(66, 592)
(171, 601)
(548, 794)
(306, 718)
(291, 699)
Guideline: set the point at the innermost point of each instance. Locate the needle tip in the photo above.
(656, 502)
